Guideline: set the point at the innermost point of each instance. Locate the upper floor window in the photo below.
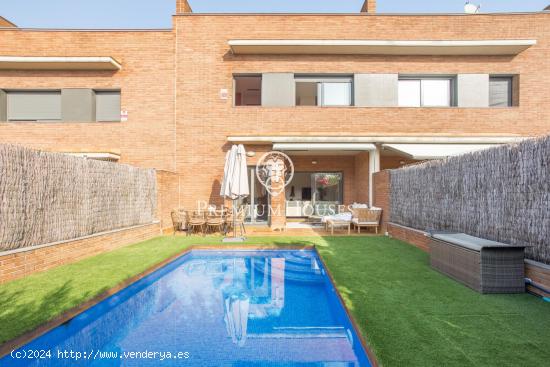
(500, 91)
(323, 91)
(34, 105)
(248, 90)
(107, 105)
(425, 92)
(71, 105)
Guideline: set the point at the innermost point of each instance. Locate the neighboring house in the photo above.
(342, 94)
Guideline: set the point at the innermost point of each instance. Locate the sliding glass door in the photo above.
(256, 205)
(328, 192)
(314, 194)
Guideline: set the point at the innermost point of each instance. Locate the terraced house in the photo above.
(342, 94)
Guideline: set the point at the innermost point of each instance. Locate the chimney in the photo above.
(6, 23)
(182, 6)
(369, 6)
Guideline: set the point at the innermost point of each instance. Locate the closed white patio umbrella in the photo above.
(235, 180)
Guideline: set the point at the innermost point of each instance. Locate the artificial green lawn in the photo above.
(410, 314)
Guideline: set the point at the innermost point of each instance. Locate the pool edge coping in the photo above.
(18, 342)
(370, 354)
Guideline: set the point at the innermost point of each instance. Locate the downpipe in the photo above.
(530, 282)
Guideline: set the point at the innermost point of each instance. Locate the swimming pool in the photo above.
(211, 308)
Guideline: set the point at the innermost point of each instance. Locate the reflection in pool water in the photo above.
(224, 308)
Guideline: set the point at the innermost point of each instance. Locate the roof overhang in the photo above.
(324, 148)
(435, 151)
(378, 139)
(58, 63)
(380, 47)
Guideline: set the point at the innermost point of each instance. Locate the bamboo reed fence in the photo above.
(50, 197)
(501, 194)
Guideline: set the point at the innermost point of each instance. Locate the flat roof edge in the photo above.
(384, 139)
(167, 30)
(364, 14)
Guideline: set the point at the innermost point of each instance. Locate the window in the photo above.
(500, 91)
(34, 105)
(425, 92)
(107, 105)
(248, 90)
(323, 91)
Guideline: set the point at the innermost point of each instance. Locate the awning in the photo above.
(435, 151)
(58, 63)
(332, 148)
(380, 47)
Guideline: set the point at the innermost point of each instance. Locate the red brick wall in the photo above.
(381, 198)
(182, 6)
(205, 65)
(369, 6)
(361, 184)
(147, 92)
(412, 236)
(20, 264)
(167, 198)
(190, 132)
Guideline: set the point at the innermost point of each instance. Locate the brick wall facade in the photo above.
(146, 81)
(20, 264)
(205, 66)
(167, 198)
(410, 235)
(381, 182)
(171, 82)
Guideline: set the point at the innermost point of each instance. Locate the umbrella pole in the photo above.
(234, 218)
(234, 238)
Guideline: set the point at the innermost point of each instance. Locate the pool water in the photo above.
(212, 308)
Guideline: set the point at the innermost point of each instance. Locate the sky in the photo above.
(156, 13)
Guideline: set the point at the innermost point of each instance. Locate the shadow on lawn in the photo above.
(333, 250)
(22, 311)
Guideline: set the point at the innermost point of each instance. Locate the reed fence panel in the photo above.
(501, 194)
(49, 197)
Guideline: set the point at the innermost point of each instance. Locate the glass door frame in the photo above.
(313, 185)
(250, 218)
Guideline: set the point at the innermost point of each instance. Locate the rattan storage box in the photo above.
(483, 265)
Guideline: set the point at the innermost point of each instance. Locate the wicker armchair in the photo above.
(215, 221)
(197, 221)
(179, 220)
(363, 217)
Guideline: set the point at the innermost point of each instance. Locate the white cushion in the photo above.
(356, 221)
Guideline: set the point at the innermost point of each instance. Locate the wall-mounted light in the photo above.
(401, 162)
(314, 162)
(250, 154)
